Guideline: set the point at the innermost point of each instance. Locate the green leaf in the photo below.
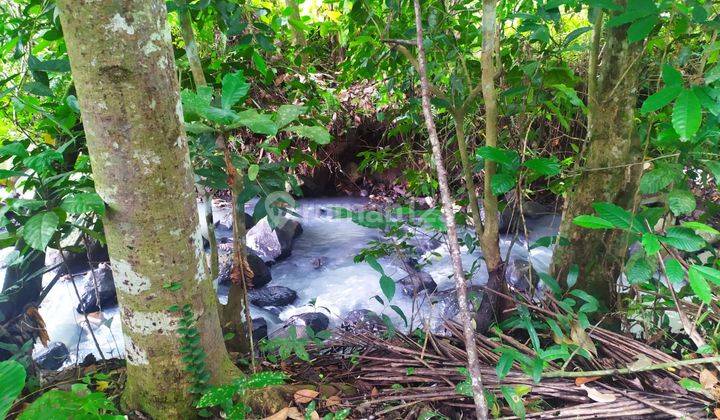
(619, 217)
(674, 271)
(504, 364)
(660, 98)
(39, 230)
(687, 115)
(12, 382)
(544, 166)
(253, 172)
(639, 269)
(502, 182)
(640, 29)
(700, 227)
(681, 202)
(257, 123)
(683, 239)
(83, 203)
(712, 74)
(575, 34)
(655, 180)
(651, 243)
(259, 62)
(592, 222)
(59, 65)
(714, 168)
(514, 400)
(315, 133)
(387, 285)
(691, 385)
(287, 114)
(671, 76)
(506, 157)
(234, 88)
(699, 285)
(709, 273)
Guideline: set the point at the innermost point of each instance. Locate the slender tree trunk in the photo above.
(447, 204)
(234, 316)
(123, 68)
(298, 35)
(196, 69)
(611, 171)
(490, 240)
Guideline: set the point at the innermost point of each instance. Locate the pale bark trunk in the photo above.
(610, 173)
(191, 51)
(298, 35)
(123, 68)
(447, 206)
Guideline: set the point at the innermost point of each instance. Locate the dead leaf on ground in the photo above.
(717, 413)
(304, 396)
(641, 362)
(374, 392)
(332, 402)
(280, 415)
(598, 396)
(295, 414)
(708, 380)
(584, 380)
(582, 339)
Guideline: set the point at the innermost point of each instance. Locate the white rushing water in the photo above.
(335, 288)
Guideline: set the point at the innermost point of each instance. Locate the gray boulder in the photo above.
(78, 258)
(53, 357)
(416, 282)
(260, 329)
(273, 244)
(446, 304)
(272, 296)
(260, 270)
(521, 275)
(362, 320)
(315, 320)
(104, 296)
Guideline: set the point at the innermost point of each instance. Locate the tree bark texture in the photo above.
(611, 171)
(124, 72)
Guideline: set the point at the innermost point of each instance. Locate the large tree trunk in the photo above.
(611, 171)
(123, 69)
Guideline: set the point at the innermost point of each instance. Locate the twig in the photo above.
(629, 370)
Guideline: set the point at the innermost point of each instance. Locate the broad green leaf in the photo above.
(671, 76)
(709, 273)
(687, 115)
(502, 182)
(544, 166)
(655, 180)
(387, 285)
(288, 113)
(253, 172)
(683, 239)
(572, 276)
(257, 123)
(618, 216)
(12, 382)
(514, 399)
(714, 168)
(640, 29)
(699, 285)
(592, 222)
(712, 74)
(639, 269)
(504, 364)
(575, 34)
(506, 157)
(234, 88)
(83, 203)
(700, 227)
(39, 230)
(59, 65)
(681, 202)
(259, 62)
(674, 271)
(660, 98)
(629, 16)
(315, 133)
(650, 243)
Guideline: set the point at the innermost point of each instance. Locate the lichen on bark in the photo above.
(610, 172)
(124, 72)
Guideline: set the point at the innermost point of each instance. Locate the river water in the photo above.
(320, 269)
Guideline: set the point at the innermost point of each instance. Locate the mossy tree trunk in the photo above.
(124, 72)
(610, 173)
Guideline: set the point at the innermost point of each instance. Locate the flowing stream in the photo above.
(320, 269)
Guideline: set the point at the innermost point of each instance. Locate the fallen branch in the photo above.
(629, 370)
